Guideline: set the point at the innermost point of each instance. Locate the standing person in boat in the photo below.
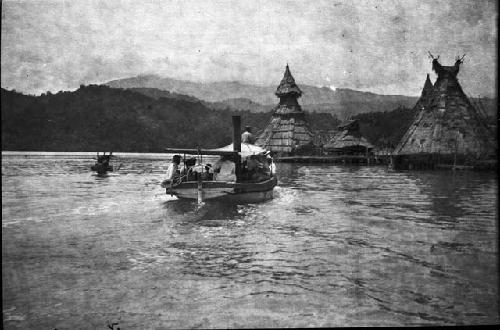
(270, 163)
(106, 159)
(224, 169)
(247, 136)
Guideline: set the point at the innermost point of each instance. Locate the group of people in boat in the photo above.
(190, 171)
(254, 168)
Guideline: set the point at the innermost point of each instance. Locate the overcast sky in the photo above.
(379, 46)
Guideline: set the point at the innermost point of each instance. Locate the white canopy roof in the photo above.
(247, 149)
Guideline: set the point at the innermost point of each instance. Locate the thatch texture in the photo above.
(447, 122)
(288, 85)
(426, 93)
(344, 139)
(322, 137)
(288, 130)
(348, 140)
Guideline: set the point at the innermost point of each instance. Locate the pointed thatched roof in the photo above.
(344, 139)
(350, 124)
(447, 123)
(288, 129)
(427, 90)
(348, 136)
(288, 85)
(421, 104)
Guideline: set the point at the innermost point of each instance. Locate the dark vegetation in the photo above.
(385, 129)
(97, 118)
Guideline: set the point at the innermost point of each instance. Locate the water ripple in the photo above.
(342, 245)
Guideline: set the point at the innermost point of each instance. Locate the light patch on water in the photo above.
(10, 314)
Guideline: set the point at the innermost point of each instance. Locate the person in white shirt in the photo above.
(247, 136)
(173, 168)
(270, 163)
(224, 170)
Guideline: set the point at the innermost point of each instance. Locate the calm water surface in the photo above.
(337, 246)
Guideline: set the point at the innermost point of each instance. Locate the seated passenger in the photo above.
(188, 170)
(208, 174)
(224, 169)
(173, 172)
(253, 163)
(258, 168)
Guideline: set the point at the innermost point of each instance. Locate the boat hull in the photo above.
(247, 191)
(101, 168)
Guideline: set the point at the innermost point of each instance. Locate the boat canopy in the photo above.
(247, 149)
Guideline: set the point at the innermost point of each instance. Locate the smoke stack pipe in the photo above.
(237, 144)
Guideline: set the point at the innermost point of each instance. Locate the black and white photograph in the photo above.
(230, 164)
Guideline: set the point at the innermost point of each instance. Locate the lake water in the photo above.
(337, 246)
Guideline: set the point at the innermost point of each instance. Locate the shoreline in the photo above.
(82, 154)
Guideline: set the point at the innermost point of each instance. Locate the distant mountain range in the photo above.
(234, 95)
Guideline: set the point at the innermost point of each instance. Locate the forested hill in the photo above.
(98, 118)
(385, 129)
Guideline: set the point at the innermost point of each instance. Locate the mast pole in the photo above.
(237, 145)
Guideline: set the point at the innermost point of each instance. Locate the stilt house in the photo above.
(288, 132)
(447, 127)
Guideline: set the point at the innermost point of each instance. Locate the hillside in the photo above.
(97, 118)
(342, 102)
(240, 103)
(229, 104)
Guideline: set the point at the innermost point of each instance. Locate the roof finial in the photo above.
(459, 59)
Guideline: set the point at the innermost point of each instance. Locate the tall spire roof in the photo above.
(427, 86)
(426, 91)
(288, 85)
(288, 130)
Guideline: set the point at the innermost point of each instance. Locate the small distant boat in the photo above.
(242, 189)
(102, 166)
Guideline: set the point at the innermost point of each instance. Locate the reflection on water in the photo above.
(337, 246)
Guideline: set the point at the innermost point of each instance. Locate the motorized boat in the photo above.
(249, 188)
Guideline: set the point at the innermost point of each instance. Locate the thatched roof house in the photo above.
(447, 123)
(348, 141)
(288, 131)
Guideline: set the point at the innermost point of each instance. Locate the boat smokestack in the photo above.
(237, 133)
(237, 144)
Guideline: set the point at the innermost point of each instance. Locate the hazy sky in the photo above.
(379, 45)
